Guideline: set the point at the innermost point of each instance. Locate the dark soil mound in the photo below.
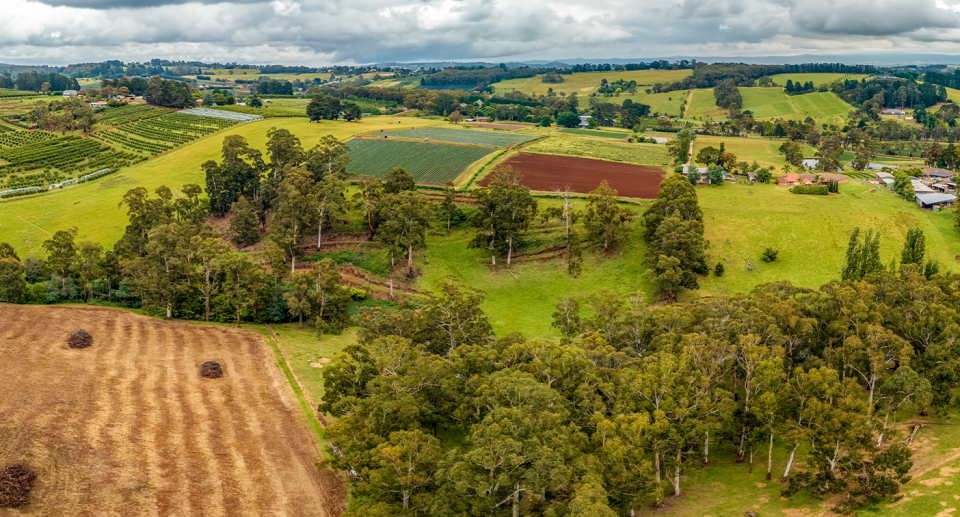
(211, 370)
(15, 484)
(80, 339)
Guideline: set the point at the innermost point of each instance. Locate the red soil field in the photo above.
(547, 173)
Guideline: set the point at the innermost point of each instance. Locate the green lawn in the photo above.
(619, 135)
(763, 151)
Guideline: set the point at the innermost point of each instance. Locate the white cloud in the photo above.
(323, 31)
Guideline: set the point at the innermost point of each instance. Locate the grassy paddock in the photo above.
(763, 151)
(589, 82)
(703, 105)
(816, 79)
(640, 154)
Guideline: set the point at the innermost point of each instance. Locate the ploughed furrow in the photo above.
(128, 426)
(242, 391)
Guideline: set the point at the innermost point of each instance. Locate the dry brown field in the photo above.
(128, 426)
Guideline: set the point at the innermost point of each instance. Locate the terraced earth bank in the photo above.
(129, 427)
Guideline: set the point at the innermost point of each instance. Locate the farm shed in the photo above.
(890, 111)
(584, 121)
(934, 199)
(889, 182)
(661, 140)
(880, 176)
(934, 172)
(920, 187)
(941, 187)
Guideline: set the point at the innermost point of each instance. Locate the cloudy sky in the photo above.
(314, 32)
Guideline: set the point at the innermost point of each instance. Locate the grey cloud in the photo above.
(871, 17)
(128, 4)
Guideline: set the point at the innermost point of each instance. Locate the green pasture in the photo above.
(25, 222)
(569, 145)
(428, 162)
(703, 106)
(767, 102)
(761, 150)
(822, 105)
(816, 79)
(662, 103)
(588, 82)
(811, 232)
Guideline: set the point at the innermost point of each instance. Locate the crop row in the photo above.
(460, 136)
(127, 114)
(70, 152)
(18, 138)
(234, 113)
(427, 162)
(126, 141)
(175, 129)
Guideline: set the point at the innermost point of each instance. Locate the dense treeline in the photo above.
(950, 80)
(273, 87)
(437, 416)
(881, 93)
(135, 85)
(480, 76)
(37, 82)
(172, 94)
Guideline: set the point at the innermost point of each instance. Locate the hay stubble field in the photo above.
(128, 426)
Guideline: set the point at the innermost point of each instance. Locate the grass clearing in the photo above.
(763, 151)
(428, 162)
(662, 103)
(822, 105)
(811, 232)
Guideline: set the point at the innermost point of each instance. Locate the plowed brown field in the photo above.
(128, 426)
(547, 172)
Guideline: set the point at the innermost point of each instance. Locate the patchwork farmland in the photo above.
(129, 427)
(428, 162)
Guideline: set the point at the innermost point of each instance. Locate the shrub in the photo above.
(357, 294)
(719, 269)
(770, 254)
(814, 191)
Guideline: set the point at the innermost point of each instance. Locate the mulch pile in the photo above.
(211, 370)
(15, 484)
(80, 339)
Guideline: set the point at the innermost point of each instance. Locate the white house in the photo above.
(584, 121)
(892, 111)
(70, 93)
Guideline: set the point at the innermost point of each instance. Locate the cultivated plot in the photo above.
(460, 136)
(129, 427)
(427, 162)
(767, 102)
(547, 173)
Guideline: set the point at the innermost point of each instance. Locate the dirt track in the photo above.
(545, 172)
(128, 426)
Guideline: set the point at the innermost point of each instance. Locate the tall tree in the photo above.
(244, 223)
(61, 253)
(296, 213)
(406, 219)
(237, 175)
(164, 274)
(207, 252)
(506, 210)
(245, 282)
(331, 200)
(12, 280)
(329, 157)
(89, 263)
(604, 220)
(398, 180)
(914, 247)
(284, 150)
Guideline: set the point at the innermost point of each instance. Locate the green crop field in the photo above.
(126, 114)
(816, 79)
(427, 162)
(822, 105)
(459, 136)
(619, 135)
(767, 102)
(639, 154)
